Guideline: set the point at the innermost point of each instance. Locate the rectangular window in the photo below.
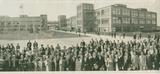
(148, 21)
(149, 15)
(153, 16)
(98, 21)
(102, 12)
(141, 21)
(98, 13)
(153, 22)
(126, 12)
(116, 11)
(116, 20)
(134, 21)
(134, 13)
(126, 20)
(142, 15)
(105, 21)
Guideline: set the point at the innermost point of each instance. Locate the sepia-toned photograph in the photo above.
(79, 35)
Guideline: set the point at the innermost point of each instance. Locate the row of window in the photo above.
(127, 13)
(142, 15)
(102, 12)
(126, 20)
(151, 15)
(1, 25)
(117, 20)
(116, 11)
(9, 23)
(86, 7)
(134, 13)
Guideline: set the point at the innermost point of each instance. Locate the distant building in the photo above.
(23, 23)
(62, 22)
(72, 23)
(52, 25)
(120, 18)
(85, 17)
(44, 21)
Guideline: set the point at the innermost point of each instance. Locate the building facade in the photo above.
(23, 23)
(62, 22)
(85, 17)
(120, 18)
(103, 19)
(72, 23)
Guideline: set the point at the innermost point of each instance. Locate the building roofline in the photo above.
(143, 9)
(103, 7)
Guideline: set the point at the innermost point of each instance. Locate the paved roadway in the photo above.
(64, 41)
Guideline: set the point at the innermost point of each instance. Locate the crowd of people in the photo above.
(97, 55)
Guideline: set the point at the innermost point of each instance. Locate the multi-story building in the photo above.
(120, 18)
(62, 22)
(23, 23)
(72, 23)
(85, 17)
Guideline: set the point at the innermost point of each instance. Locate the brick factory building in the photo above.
(72, 23)
(120, 18)
(85, 17)
(23, 23)
(62, 22)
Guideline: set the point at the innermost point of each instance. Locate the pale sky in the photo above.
(53, 8)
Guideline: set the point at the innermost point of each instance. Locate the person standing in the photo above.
(44, 63)
(78, 63)
(109, 63)
(148, 61)
(17, 62)
(6, 63)
(115, 34)
(124, 35)
(35, 45)
(57, 59)
(142, 58)
(100, 62)
(40, 64)
(62, 63)
(13, 68)
(91, 62)
(21, 63)
(86, 63)
(134, 36)
(126, 61)
(140, 36)
(72, 63)
(134, 61)
(29, 45)
(53, 64)
(116, 62)
(18, 46)
(42, 50)
(120, 61)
